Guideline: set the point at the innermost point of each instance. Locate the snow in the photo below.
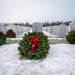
(59, 61)
(19, 37)
(13, 38)
(57, 38)
(46, 33)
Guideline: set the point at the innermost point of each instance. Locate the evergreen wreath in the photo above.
(2, 38)
(71, 37)
(34, 46)
(10, 34)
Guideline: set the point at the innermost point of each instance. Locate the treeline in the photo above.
(56, 23)
(19, 24)
(27, 24)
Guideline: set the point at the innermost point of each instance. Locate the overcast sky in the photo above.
(36, 10)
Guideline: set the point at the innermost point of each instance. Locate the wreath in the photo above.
(2, 38)
(10, 34)
(71, 37)
(34, 46)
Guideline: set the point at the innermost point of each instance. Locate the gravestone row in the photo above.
(60, 30)
(16, 29)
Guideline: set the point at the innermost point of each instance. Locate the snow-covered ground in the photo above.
(59, 61)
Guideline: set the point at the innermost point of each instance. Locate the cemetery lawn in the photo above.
(59, 61)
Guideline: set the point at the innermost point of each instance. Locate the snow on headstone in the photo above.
(37, 27)
(62, 31)
(2, 28)
(55, 30)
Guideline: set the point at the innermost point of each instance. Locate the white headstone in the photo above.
(13, 27)
(48, 28)
(51, 29)
(25, 29)
(37, 27)
(18, 28)
(21, 29)
(62, 31)
(67, 29)
(2, 28)
(55, 30)
(72, 26)
(44, 28)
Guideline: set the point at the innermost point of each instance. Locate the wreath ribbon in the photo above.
(34, 42)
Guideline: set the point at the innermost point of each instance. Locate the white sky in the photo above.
(36, 10)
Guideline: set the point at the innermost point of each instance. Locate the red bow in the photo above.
(34, 41)
(10, 32)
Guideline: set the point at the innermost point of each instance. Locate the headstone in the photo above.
(67, 29)
(5, 29)
(44, 28)
(62, 31)
(21, 29)
(72, 26)
(48, 28)
(18, 29)
(2, 28)
(11, 26)
(25, 29)
(51, 29)
(55, 30)
(37, 27)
